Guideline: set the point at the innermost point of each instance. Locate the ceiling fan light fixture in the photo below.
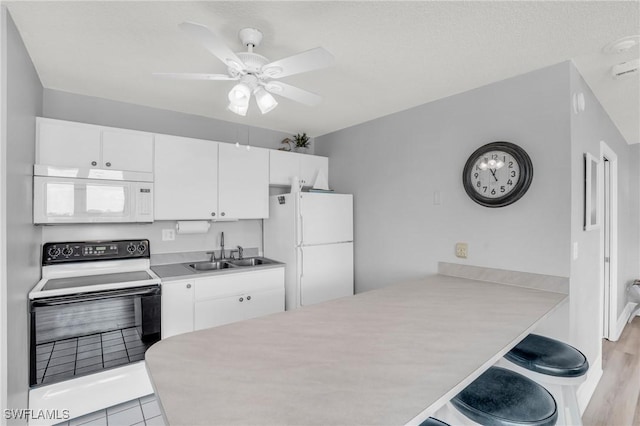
(239, 94)
(240, 109)
(265, 101)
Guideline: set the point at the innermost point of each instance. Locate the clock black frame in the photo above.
(521, 187)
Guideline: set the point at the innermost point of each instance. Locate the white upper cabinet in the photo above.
(186, 178)
(203, 180)
(127, 150)
(284, 165)
(70, 144)
(243, 182)
(63, 143)
(310, 166)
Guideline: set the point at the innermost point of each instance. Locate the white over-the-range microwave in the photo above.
(64, 195)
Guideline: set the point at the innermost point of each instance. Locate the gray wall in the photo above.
(24, 103)
(588, 128)
(89, 109)
(394, 164)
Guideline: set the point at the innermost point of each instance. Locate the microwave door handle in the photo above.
(80, 298)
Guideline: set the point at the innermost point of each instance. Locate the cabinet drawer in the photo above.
(239, 283)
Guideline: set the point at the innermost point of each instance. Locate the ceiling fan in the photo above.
(256, 75)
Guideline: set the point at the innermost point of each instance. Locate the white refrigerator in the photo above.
(313, 234)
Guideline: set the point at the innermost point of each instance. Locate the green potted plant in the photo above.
(299, 143)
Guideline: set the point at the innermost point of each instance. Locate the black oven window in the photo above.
(80, 338)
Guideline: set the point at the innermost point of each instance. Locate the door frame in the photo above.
(610, 294)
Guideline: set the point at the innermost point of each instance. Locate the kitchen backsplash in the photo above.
(246, 233)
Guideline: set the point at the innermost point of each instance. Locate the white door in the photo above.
(243, 182)
(127, 150)
(327, 273)
(177, 308)
(326, 218)
(186, 178)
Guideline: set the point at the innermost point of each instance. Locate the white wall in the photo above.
(394, 164)
(588, 129)
(23, 93)
(246, 233)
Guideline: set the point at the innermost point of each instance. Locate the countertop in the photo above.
(385, 357)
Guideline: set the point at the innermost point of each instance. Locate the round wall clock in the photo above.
(497, 174)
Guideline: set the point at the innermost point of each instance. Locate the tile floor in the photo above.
(65, 359)
(139, 412)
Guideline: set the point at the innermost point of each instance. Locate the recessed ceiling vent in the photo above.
(625, 68)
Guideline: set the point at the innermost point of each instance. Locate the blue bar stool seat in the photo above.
(557, 366)
(501, 397)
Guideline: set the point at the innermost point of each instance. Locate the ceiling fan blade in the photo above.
(213, 44)
(294, 93)
(302, 62)
(193, 76)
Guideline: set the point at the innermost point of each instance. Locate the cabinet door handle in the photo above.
(93, 163)
(213, 214)
(248, 297)
(108, 164)
(188, 285)
(222, 214)
(241, 299)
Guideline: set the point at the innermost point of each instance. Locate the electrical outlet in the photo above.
(462, 249)
(168, 234)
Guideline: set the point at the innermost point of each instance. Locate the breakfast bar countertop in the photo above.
(388, 356)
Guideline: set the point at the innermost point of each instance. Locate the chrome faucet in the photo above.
(222, 245)
(240, 252)
(213, 256)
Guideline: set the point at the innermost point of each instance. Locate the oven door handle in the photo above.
(88, 297)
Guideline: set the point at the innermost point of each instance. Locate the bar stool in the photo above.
(501, 397)
(557, 366)
(433, 422)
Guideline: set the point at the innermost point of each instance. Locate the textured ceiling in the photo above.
(390, 56)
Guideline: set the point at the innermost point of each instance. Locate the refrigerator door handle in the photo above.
(301, 231)
(301, 263)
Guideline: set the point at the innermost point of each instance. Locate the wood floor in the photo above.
(616, 401)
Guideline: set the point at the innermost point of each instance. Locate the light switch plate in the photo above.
(575, 251)
(462, 250)
(168, 234)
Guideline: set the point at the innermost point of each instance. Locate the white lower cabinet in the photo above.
(177, 307)
(220, 299)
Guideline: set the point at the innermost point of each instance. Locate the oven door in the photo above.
(80, 334)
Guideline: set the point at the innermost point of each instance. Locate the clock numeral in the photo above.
(493, 191)
(484, 189)
(494, 156)
(509, 182)
(504, 158)
(475, 175)
(513, 173)
(478, 184)
(502, 189)
(511, 164)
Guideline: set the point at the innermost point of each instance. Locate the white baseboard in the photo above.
(586, 390)
(622, 320)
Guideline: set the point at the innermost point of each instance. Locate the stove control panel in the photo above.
(53, 253)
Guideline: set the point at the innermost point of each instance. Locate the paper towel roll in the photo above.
(193, 227)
